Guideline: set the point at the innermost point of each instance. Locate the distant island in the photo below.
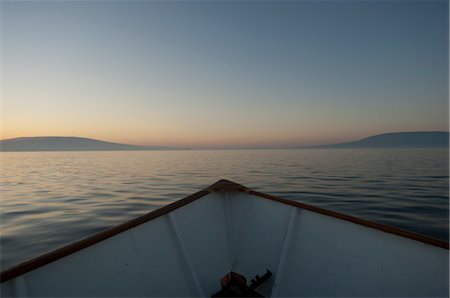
(421, 139)
(432, 139)
(66, 144)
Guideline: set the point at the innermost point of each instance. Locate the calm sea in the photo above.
(49, 199)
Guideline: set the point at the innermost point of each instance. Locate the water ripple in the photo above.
(50, 199)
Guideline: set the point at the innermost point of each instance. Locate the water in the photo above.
(49, 199)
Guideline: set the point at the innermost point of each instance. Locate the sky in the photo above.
(223, 73)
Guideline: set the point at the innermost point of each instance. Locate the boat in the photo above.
(230, 240)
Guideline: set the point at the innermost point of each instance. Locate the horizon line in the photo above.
(223, 146)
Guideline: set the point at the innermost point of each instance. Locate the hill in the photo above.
(65, 144)
(426, 139)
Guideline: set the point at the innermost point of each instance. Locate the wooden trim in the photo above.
(222, 185)
(359, 221)
(79, 245)
(226, 185)
(231, 186)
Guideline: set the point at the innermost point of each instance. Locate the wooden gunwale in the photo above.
(356, 220)
(222, 185)
(91, 240)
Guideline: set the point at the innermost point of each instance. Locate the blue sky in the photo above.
(221, 73)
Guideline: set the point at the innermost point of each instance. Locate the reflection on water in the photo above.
(53, 198)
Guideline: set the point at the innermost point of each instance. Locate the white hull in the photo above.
(185, 251)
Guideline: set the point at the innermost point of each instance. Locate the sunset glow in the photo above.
(223, 73)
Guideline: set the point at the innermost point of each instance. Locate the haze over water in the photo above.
(53, 198)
